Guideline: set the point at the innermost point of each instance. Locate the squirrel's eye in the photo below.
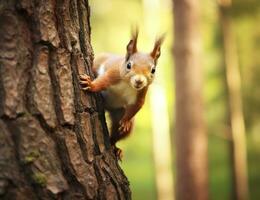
(153, 70)
(128, 65)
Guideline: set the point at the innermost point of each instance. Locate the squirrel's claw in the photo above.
(118, 153)
(85, 82)
(84, 76)
(86, 88)
(125, 126)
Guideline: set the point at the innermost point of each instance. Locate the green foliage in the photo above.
(219, 168)
(242, 8)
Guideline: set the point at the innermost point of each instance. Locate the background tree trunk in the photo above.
(54, 142)
(191, 138)
(236, 117)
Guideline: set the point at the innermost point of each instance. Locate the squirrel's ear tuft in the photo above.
(156, 52)
(132, 45)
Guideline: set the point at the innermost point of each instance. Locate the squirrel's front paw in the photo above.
(118, 153)
(125, 126)
(86, 82)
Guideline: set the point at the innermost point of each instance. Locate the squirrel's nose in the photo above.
(138, 82)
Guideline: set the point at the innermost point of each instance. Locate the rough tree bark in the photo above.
(191, 137)
(54, 142)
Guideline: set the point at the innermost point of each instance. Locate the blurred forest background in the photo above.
(111, 24)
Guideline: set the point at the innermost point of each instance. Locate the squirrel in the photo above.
(123, 82)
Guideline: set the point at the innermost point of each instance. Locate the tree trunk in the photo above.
(238, 145)
(191, 137)
(54, 142)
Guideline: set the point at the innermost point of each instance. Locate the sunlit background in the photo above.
(148, 160)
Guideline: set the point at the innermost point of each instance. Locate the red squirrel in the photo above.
(123, 82)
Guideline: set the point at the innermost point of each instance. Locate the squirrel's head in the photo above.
(139, 68)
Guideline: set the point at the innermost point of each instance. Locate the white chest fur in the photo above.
(120, 95)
